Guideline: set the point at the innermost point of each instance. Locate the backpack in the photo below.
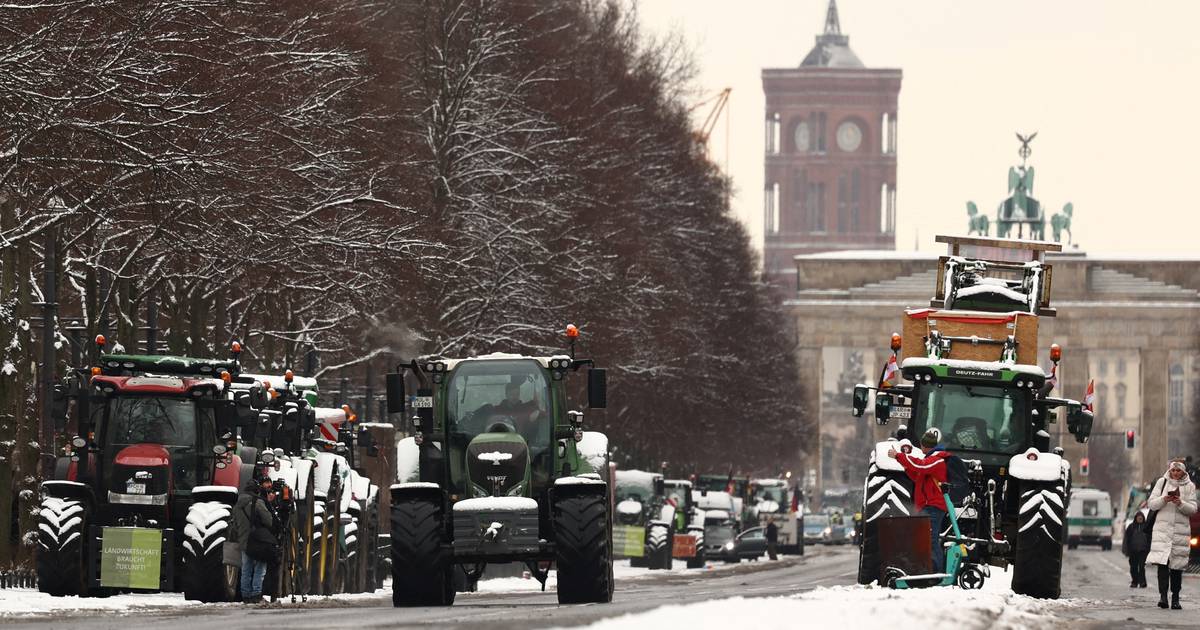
(958, 481)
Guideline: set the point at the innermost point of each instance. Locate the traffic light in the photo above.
(1129, 438)
(1083, 466)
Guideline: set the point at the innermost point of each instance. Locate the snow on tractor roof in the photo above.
(636, 477)
(770, 483)
(171, 385)
(915, 362)
(301, 383)
(498, 356)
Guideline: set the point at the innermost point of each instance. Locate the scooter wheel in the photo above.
(970, 578)
(890, 575)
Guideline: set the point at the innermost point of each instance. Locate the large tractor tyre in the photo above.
(420, 571)
(658, 547)
(697, 561)
(887, 493)
(583, 554)
(62, 532)
(203, 552)
(1037, 566)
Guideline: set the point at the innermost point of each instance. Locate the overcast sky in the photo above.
(1111, 87)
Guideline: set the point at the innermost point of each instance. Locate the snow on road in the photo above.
(621, 571)
(995, 606)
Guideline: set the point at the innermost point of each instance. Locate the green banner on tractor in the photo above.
(629, 541)
(131, 557)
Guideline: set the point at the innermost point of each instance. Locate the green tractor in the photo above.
(644, 525)
(689, 523)
(493, 474)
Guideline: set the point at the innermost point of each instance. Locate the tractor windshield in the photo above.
(508, 395)
(633, 490)
(679, 495)
(151, 420)
(186, 430)
(775, 494)
(975, 417)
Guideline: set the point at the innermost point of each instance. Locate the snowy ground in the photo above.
(995, 606)
(23, 602)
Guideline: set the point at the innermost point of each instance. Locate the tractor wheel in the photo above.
(1037, 566)
(697, 561)
(62, 533)
(203, 552)
(583, 550)
(349, 569)
(658, 547)
(887, 493)
(420, 573)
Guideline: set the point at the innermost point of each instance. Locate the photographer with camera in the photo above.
(254, 527)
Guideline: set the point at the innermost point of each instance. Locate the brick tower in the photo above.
(830, 166)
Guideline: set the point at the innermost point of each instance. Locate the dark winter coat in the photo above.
(772, 533)
(250, 512)
(1137, 539)
(927, 474)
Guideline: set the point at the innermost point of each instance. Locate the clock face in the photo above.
(802, 136)
(849, 136)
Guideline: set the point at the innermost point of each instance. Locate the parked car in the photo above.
(826, 529)
(751, 544)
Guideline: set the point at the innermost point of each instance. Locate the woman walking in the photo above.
(1136, 545)
(1174, 500)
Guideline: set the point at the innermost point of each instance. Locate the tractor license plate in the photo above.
(135, 488)
(901, 413)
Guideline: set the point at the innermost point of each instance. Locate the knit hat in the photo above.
(931, 438)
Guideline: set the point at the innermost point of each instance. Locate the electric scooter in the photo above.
(968, 575)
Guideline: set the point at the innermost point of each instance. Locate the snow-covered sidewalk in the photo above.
(995, 606)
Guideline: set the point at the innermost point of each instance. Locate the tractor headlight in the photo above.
(478, 492)
(828, 531)
(517, 490)
(729, 546)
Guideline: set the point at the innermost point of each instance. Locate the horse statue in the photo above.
(1061, 221)
(977, 223)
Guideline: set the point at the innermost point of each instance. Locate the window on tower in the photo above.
(855, 204)
(843, 206)
(816, 207)
(772, 129)
(820, 132)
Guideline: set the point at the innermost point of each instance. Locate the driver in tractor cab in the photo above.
(524, 413)
(928, 474)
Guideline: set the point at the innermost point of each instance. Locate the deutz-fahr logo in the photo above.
(973, 373)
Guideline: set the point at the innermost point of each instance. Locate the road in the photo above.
(1101, 580)
(1095, 590)
(515, 610)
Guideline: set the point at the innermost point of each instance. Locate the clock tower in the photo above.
(830, 169)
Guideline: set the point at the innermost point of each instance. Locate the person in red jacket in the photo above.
(927, 474)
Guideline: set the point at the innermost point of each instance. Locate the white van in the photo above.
(1090, 519)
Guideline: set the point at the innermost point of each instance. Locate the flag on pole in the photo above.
(1089, 401)
(890, 370)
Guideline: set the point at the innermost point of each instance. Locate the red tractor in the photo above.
(141, 497)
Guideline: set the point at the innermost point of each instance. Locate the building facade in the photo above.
(830, 165)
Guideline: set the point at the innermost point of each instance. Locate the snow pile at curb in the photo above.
(864, 607)
(23, 601)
